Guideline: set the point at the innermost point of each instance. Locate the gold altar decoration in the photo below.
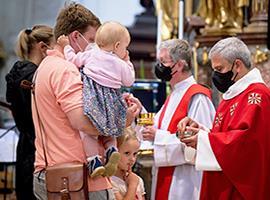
(146, 152)
(260, 56)
(259, 7)
(222, 17)
(188, 8)
(169, 26)
(204, 56)
(259, 15)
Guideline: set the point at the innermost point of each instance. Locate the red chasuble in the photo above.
(165, 174)
(240, 140)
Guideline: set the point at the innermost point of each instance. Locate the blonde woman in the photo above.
(31, 48)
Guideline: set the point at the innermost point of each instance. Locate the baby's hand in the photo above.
(126, 58)
(63, 41)
(127, 97)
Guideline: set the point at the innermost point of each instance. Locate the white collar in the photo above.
(253, 76)
(184, 83)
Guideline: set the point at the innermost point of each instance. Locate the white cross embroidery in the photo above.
(254, 98)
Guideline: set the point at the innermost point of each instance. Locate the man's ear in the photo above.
(74, 35)
(180, 64)
(238, 64)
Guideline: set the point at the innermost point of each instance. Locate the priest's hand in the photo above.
(190, 141)
(149, 133)
(187, 127)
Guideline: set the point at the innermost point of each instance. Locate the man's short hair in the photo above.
(232, 48)
(73, 17)
(179, 50)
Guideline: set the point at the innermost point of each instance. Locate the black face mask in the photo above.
(223, 81)
(162, 72)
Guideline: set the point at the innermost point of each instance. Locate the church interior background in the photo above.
(204, 22)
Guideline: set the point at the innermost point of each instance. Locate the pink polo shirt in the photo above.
(58, 90)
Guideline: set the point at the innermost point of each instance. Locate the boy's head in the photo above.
(77, 22)
(112, 36)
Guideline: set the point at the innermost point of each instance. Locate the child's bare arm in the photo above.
(132, 181)
(63, 41)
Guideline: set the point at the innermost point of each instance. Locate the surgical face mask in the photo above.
(223, 81)
(88, 44)
(162, 72)
(80, 48)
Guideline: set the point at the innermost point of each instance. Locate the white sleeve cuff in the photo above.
(168, 150)
(205, 159)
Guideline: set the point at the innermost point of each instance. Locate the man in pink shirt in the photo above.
(105, 68)
(58, 102)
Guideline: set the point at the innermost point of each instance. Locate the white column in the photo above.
(159, 29)
(181, 19)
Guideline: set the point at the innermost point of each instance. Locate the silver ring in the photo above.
(188, 133)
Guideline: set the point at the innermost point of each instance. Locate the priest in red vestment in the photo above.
(174, 174)
(235, 153)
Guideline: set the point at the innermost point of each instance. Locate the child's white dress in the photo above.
(119, 185)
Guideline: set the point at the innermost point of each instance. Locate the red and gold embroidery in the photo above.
(254, 98)
(218, 119)
(232, 108)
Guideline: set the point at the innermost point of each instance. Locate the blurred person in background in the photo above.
(31, 48)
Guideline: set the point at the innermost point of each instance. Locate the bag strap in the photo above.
(41, 127)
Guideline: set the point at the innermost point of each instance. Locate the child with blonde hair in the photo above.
(107, 67)
(126, 184)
